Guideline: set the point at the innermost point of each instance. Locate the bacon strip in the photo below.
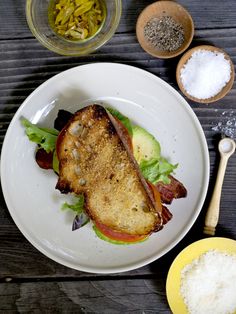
(170, 191)
(166, 214)
(44, 159)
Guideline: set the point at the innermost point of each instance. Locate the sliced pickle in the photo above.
(77, 19)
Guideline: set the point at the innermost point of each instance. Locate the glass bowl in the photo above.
(37, 18)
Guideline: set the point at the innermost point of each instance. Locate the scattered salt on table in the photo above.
(205, 73)
(227, 124)
(208, 284)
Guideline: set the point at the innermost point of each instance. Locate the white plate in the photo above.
(30, 191)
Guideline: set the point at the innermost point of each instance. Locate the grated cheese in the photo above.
(208, 284)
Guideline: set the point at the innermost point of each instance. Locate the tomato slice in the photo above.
(119, 236)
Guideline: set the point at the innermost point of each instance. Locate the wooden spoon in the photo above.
(226, 148)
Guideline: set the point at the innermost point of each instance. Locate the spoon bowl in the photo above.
(226, 146)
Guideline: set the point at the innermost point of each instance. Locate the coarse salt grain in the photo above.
(208, 284)
(227, 124)
(205, 73)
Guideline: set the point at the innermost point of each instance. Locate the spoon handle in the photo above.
(212, 214)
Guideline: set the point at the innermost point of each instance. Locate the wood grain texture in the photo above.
(206, 15)
(29, 281)
(110, 296)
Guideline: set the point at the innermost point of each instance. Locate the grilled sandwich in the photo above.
(96, 160)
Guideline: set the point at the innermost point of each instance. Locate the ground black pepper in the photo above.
(164, 33)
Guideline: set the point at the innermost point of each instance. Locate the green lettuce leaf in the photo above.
(155, 170)
(126, 122)
(55, 162)
(77, 207)
(81, 218)
(44, 137)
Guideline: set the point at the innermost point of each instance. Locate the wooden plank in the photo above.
(205, 15)
(111, 297)
(20, 59)
(29, 54)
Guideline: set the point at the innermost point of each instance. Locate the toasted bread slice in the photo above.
(96, 161)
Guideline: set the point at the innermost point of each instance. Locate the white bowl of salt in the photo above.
(205, 74)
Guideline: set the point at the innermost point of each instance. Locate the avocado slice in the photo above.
(145, 146)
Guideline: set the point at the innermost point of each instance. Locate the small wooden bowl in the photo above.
(184, 60)
(157, 10)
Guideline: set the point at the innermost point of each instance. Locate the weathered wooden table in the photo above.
(32, 283)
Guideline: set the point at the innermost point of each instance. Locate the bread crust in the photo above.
(95, 160)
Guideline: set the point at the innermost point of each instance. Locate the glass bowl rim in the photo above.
(86, 50)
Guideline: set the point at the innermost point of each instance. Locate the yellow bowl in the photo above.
(37, 18)
(185, 257)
